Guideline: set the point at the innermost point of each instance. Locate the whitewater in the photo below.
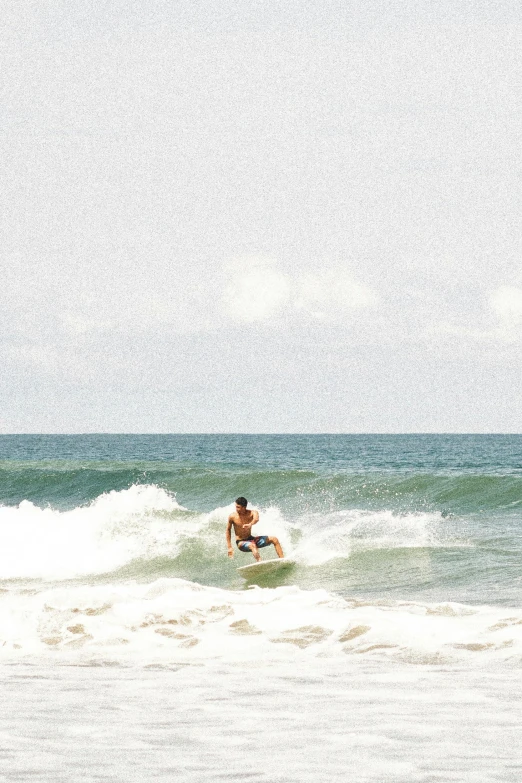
(391, 651)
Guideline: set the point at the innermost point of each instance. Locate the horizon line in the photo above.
(251, 434)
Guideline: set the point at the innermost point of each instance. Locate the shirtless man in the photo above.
(242, 520)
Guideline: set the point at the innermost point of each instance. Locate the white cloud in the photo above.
(259, 291)
(506, 304)
(256, 291)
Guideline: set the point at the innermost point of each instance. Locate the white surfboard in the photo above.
(265, 567)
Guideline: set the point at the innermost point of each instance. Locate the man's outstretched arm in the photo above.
(229, 540)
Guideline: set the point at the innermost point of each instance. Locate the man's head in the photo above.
(241, 503)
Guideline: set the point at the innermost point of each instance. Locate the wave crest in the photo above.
(101, 537)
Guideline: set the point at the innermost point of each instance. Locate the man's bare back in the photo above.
(242, 521)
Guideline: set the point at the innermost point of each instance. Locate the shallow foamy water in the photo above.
(286, 722)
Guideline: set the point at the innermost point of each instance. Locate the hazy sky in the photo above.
(261, 216)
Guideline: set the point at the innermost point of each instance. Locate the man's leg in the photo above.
(254, 550)
(275, 541)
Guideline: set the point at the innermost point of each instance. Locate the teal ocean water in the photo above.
(432, 517)
(405, 599)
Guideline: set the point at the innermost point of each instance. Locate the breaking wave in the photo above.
(174, 620)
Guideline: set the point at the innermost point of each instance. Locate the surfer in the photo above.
(242, 521)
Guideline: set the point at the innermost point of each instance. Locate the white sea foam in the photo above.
(314, 539)
(346, 719)
(116, 528)
(175, 619)
(340, 533)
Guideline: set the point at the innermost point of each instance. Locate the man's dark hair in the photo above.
(242, 502)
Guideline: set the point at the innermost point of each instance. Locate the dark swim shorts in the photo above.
(259, 541)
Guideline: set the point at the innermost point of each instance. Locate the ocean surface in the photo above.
(132, 650)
